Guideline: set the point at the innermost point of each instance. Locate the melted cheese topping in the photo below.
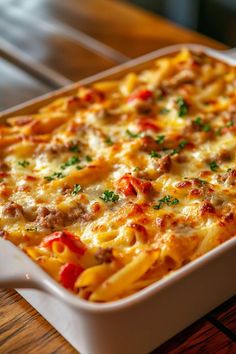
(132, 178)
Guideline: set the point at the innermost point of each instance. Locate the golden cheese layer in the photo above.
(115, 187)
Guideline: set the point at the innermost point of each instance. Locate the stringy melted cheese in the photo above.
(161, 142)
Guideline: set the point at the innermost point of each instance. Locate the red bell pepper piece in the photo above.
(130, 185)
(92, 96)
(69, 272)
(142, 95)
(147, 124)
(66, 237)
(125, 186)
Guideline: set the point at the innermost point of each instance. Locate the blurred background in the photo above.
(47, 44)
(214, 18)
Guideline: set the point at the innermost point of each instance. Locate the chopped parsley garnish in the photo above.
(180, 147)
(54, 176)
(198, 121)
(168, 200)
(213, 166)
(182, 107)
(164, 110)
(205, 127)
(218, 131)
(182, 144)
(76, 189)
(200, 181)
(230, 124)
(136, 169)
(154, 154)
(160, 97)
(74, 148)
(88, 158)
(72, 161)
(160, 139)
(132, 135)
(79, 167)
(109, 196)
(23, 163)
(108, 141)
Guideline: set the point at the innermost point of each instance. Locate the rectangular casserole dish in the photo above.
(143, 321)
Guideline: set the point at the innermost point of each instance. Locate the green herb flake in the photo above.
(164, 111)
(206, 127)
(213, 166)
(180, 147)
(182, 107)
(154, 154)
(200, 181)
(108, 141)
(168, 200)
(55, 175)
(230, 124)
(109, 196)
(88, 158)
(76, 189)
(79, 167)
(72, 161)
(198, 121)
(160, 139)
(74, 148)
(23, 163)
(218, 131)
(132, 135)
(182, 144)
(160, 97)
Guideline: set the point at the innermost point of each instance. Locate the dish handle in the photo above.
(16, 269)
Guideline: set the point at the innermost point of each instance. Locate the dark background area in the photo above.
(214, 18)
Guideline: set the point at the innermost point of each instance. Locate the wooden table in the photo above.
(45, 45)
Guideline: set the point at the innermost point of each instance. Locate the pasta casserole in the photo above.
(127, 180)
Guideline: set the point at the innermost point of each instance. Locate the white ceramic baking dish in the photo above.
(140, 322)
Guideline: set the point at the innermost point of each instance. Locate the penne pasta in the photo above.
(124, 181)
(121, 280)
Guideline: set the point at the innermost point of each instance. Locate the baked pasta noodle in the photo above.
(125, 181)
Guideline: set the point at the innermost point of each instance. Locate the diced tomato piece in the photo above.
(228, 129)
(73, 103)
(141, 186)
(70, 240)
(147, 124)
(92, 96)
(137, 209)
(143, 95)
(130, 185)
(125, 186)
(3, 174)
(148, 144)
(69, 272)
(207, 208)
(31, 178)
(184, 184)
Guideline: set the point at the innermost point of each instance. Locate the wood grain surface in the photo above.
(43, 44)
